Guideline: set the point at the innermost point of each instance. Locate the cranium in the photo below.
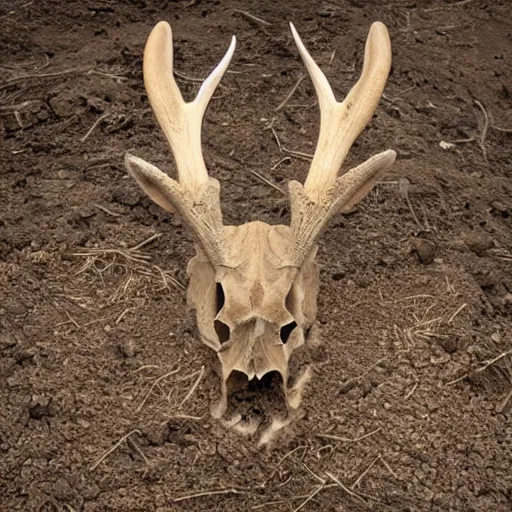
(254, 286)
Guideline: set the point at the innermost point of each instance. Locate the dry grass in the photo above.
(434, 318)
(133, 265)
(427, 318)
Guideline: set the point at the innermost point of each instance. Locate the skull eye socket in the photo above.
(220, 298)
(286, 331)
(222, 330)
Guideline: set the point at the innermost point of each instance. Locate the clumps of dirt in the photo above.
(108, 390)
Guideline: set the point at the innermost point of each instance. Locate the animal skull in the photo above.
(254, 287)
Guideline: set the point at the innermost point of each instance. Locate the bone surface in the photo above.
(254, 287)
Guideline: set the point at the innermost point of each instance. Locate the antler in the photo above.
(323, 194)
(195, 195)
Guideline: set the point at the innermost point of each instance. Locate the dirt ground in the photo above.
(105, 388)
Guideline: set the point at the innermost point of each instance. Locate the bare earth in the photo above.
(104, 402)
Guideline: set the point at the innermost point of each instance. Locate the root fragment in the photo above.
(111, 450)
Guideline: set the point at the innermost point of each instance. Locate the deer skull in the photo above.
(254, 287)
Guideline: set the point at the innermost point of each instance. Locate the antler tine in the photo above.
(341, 123)
(324, 194)
(180, 121)
(195, 196)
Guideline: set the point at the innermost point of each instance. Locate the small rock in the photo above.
(157, 435)
(126, 196)
(426, 251)
(327, 10)
(496, 337)
(63, 104)
(447, 145)
(449, 345)
(500, 208)
(127, 348)
(478, 242)
(386, 260)
(62, 490)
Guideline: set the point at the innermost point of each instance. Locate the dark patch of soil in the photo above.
(404, 309)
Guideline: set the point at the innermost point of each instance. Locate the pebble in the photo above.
(426, 251)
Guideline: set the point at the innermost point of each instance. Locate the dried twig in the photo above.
(410, 393)
(136, 447)
(503, 406)
(483, 133)
(164, 274)
(388, 467)
(364, 473)
(252, 17)
(72, 320)
(346, 489)
(346, 384)
(106, 210)
(462, 141)
(500, 129)
(95, 124)
(456, 313)
(188, 78)
(123, 314)
(348, 439)
(108, 452)
(278, 142)
(285, 159)
(41, 75)
(482, 368)
(448, 6)
(146, 367)
(297, 154)
(208, 493)
(310, 497)
(290, 94)
(290, 453)
(403, 189)
(266, 504)
(19, 106)
(155, 383)
(132, 255)
(183, 417)
(262, 178)
(118, 78)
(145, 242)
(194, 386)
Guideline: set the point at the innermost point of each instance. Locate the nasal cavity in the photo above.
(286, 330)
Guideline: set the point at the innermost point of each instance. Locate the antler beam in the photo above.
(180, 121)
(195, 195)
(341, 123)
(324, 194)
